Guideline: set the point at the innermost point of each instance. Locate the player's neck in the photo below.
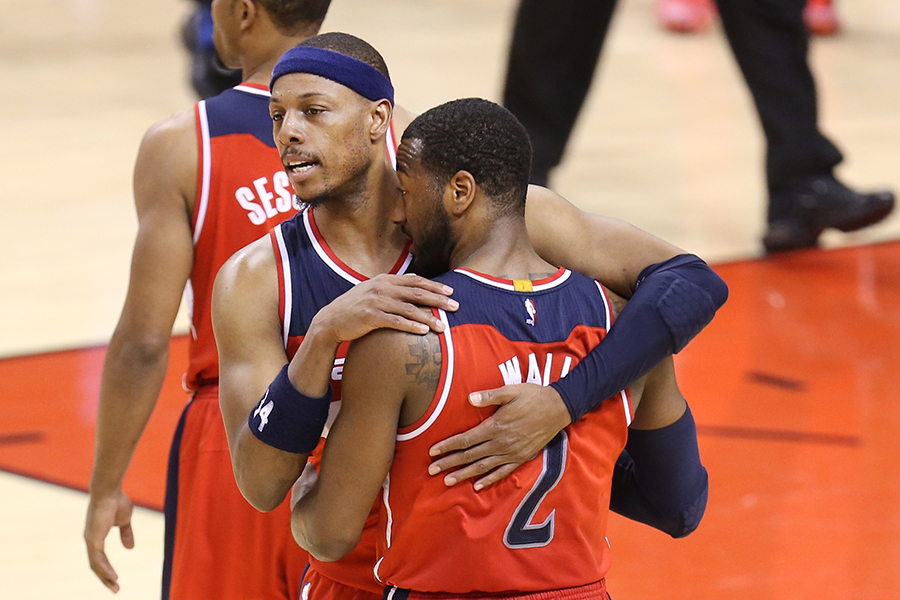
(502, 250)
(258, 65)
(359, 229)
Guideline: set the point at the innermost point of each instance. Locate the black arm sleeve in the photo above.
(659, 480)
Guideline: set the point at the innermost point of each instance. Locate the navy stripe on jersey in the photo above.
(238, 111)
(536, 316)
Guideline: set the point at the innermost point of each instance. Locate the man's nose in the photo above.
(291, 130)
(398, 212)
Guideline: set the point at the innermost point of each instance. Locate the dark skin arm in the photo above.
(328, 519)
(165, 178)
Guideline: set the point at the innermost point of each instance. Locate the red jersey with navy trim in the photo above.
(310, 276)
(242, 192)
(543, 527)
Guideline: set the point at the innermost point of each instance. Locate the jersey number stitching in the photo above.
(521, 532)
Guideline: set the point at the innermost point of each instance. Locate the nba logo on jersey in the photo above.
(531, 309)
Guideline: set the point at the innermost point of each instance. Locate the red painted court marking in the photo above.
(49, 415)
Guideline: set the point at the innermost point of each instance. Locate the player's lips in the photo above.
(297, 167)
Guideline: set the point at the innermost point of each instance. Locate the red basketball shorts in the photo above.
(217, 544)
(318, 587)
(592, 591)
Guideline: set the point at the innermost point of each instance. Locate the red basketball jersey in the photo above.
(311, 275)
(242, 192)
(544, 526)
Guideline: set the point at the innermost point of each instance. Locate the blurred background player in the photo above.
(463, 169)
(207, 181)
(552, 58)
(692, 16)
(208, 75)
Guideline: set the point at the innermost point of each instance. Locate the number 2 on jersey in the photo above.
(521, 532)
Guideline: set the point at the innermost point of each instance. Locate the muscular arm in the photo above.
(609, 250)
(251, 353)
(136, 359)
(328, 520)
(677, 297)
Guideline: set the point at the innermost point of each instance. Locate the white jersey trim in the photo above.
(403, 268)
(288, 290)
(324, 255)
(627, 407)
(445, 390)
(606, 308)
(252, 90)
(622, 394)
(391, 145)
(206, 159)
(510, 287)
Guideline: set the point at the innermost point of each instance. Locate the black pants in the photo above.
(556, 46)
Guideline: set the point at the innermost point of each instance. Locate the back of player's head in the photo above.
(349, 45)
(293, 17)
(480, 137)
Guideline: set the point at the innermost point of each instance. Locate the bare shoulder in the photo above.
(166, 165)
(251, 267)
(177, 133)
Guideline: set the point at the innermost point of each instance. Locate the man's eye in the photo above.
(277, 117)
(313, 111)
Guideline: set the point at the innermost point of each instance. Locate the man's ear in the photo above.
(249, 13)
(381, 119)
(459, 193)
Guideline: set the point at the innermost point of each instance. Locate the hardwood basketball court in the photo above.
(792, 385)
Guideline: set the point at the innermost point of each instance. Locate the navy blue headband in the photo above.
(363, 79)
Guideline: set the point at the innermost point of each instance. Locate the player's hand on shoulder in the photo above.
(399, 302)
(528, 418)
(104, 513)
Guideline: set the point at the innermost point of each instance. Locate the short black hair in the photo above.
(481, 137)
(351, 46)
(292, 17)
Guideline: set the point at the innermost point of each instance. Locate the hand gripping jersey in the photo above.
(310, 276)
(242, 192)
(544, 526)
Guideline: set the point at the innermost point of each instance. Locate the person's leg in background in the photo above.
(770, 43)
(553, 55)
(694, 16)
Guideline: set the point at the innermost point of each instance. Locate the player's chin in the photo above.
(311, 195)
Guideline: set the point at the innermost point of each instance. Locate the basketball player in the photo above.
(463, 170)
(285, 307)
(207, 182)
